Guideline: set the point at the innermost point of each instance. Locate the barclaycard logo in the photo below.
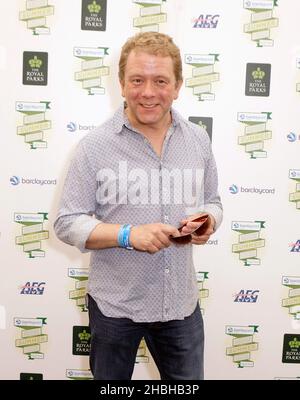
(74, 127)
(292, 137)
(14, 180)
(233, 189)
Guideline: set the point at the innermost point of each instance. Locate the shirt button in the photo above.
(166, 218)
(167, 270)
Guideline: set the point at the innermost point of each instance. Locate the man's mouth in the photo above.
(148, 105)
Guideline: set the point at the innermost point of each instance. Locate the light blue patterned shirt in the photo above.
(117, 177)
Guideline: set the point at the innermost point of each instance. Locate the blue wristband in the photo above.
(123, 237)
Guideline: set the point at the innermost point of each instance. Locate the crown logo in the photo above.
(84, 335)
(294, 344)
(94, 7)
(35, 62)
(202, 125)
(258, 74)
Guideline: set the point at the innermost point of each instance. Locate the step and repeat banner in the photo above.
(59, 80)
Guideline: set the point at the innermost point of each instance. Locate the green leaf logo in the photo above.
(94, 7)
(35, 62)
(84, 335)
(258, 74)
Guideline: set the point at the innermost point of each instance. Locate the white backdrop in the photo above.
(248, 285)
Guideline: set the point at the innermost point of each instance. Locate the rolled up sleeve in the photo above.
(76, 216)
(212, 200)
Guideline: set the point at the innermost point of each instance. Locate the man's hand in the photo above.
(190, 227)
(152, 237)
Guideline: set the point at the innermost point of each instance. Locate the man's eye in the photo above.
(161, 82)
(137, 81)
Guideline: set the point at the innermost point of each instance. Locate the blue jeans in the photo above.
(176, 346)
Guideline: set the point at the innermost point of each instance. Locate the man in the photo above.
(130, 186)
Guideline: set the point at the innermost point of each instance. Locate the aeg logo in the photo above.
(33, 288)
(246, 296)
(207, 21)
(295, 247)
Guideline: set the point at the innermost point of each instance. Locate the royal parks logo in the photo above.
(93, 15)
(35, 123)
(291, 349)
(292, 302)
(255, 133)
(206, 21)
(258, 78)
(81, 340)
(246, 296)
(262, 21)
(35, 68)
(294, 197)
(35, 16)
(243, 344)
(32, 336)
(28, 376)
(238, 189)
(92, 69)
(32, 233)
(204, 122)
(203, 75)
(33, 288)
(80, 278)
(151, 15)
(249, 241)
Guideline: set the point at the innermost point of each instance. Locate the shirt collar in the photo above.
(120, 119)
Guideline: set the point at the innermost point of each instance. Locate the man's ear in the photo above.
(178, 85)
(122, 87)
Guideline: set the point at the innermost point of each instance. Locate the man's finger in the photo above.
(164, 239)
(170, 230)
(152, 249)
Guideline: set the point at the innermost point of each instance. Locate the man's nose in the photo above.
(148, 89)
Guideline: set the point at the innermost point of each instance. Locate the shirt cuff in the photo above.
(216, 212)
(81, 229)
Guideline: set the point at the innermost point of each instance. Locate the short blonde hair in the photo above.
(152, 43)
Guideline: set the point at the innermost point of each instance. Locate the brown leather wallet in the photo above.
(186, 238)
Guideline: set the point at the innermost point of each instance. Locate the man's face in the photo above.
(149, 88)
